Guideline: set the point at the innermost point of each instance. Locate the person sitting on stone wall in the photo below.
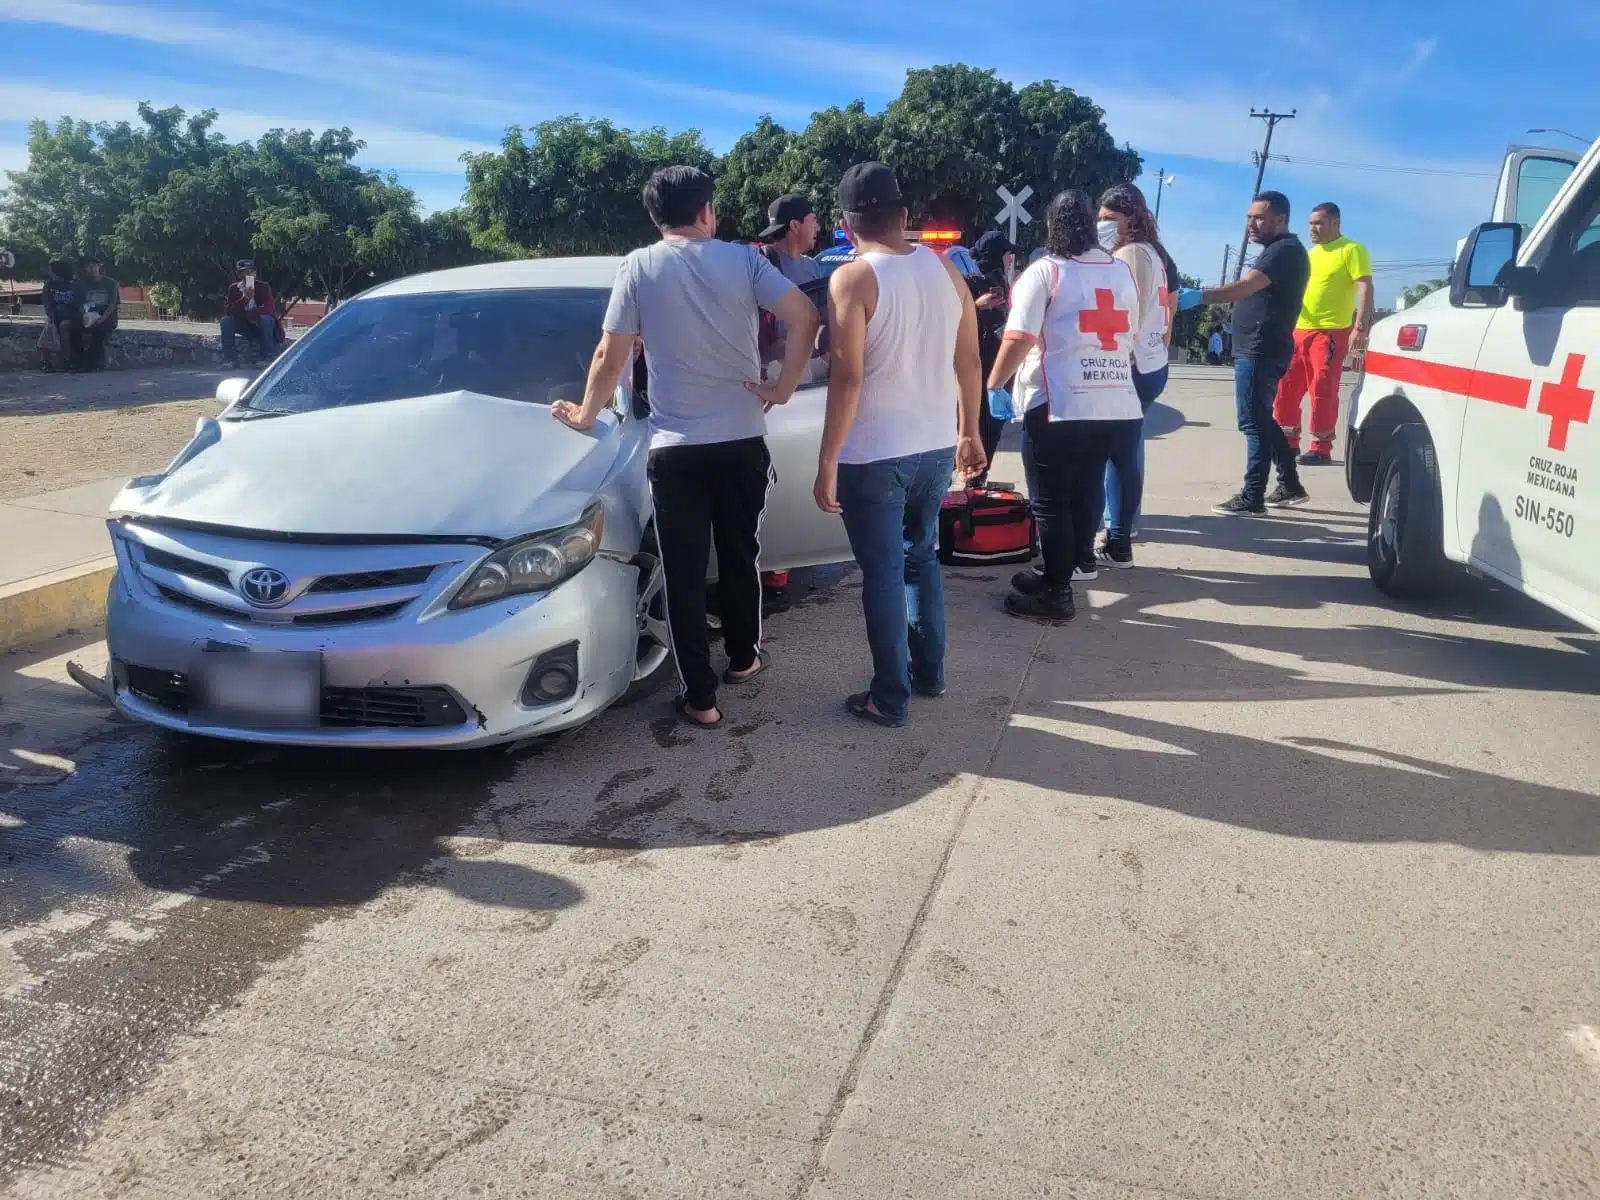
(97, 297)
(251, 310)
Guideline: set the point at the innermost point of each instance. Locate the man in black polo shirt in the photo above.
(1266, 302)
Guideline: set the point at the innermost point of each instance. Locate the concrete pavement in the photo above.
(1247, 884)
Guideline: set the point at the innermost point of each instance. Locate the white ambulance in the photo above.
(1473, 434)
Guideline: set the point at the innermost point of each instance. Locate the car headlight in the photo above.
(534, 564)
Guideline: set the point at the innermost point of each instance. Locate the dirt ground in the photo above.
(60, 430)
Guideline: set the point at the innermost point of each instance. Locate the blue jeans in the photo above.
(1255, 384)
(891, 514)
(1119, 503)
(264, 328)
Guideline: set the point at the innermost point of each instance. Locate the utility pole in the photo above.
(1163, 181)
(1272, 119)
(1227, 254)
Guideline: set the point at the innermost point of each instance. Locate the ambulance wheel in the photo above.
(1405, 524)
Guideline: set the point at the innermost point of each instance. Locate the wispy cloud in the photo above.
(875, 68)
(387, 146)
(466, 85)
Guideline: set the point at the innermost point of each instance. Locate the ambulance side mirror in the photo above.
(1485, 273)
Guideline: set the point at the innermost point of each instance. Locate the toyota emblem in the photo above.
(264, 587)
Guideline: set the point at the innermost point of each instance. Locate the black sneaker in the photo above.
(1051, 605)
(1283, 497)
(1118, 554)
(1088, 569)
(1315, 458)
(1029, 582)
(1238, 506)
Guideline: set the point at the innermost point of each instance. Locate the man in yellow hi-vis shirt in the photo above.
(1334, 319)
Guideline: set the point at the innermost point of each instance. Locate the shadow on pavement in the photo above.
(1312, 788)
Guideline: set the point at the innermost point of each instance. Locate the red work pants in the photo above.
(1316, 366)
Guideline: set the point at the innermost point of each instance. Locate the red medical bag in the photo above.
(984, 526)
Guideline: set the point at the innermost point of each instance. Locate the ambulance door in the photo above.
(1529, 494)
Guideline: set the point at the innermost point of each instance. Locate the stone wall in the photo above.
(132, 344)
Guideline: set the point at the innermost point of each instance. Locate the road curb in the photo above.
(46, 606)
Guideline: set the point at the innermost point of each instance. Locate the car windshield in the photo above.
(532, 345)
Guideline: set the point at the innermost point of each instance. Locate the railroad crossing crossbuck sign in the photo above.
(1013, 212)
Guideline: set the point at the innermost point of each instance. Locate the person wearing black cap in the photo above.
(995, 256)
(250, 309)
(903, 392)
(792, 232)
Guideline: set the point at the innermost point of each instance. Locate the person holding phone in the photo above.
(250, 309)
(996, 258)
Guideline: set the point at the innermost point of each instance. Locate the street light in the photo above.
(1564, 133)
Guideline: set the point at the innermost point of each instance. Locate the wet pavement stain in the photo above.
(146, 891)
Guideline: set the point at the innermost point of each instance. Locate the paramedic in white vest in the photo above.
(1069, 342)
(1128, 230)
(904, 383)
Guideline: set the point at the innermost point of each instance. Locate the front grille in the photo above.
(166, 689)
(185, 600)
(353, 616)
(342, 708)
(363, 581)
(188, 567)
(350, 616)
(390, 708)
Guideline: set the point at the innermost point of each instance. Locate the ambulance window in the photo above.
(1538, 181)
(1573, 268)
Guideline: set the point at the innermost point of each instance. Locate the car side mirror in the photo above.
(229, 390)
(1485, 273)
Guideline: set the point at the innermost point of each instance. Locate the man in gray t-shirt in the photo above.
(696, 304)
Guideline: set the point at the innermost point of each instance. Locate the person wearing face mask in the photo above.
(1127, 230)
(1069, 344)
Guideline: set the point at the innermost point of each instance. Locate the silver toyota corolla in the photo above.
(385, 540)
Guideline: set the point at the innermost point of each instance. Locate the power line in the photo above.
(1385, 168)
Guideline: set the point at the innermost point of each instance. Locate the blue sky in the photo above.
(1439, 89)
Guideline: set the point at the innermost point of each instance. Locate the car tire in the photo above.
(658, 613)
(1405, 518)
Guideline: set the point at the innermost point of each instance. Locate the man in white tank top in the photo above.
(904, 385)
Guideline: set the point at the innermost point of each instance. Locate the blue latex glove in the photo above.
(1189, 298)
(1000, 404)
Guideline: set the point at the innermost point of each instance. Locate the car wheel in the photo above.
(654, 645)
(1405, 521)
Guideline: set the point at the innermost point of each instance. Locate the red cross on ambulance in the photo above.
(1565, 403)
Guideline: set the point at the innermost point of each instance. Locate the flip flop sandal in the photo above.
(689, 719)
(856, 706)
(760, 665)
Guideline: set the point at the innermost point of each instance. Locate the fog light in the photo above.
(554, 677)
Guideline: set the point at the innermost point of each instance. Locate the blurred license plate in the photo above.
(256, 689)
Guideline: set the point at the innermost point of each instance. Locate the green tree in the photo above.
(833, 142)
(188, 231)
(573, 188)
(953, 135)
(32, 259)
(750, 177)
(448, 242)
(1418, 290)
(1065, 144)
(326, 227)
(64, 200)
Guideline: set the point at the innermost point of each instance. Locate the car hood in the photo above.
(453, 465)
